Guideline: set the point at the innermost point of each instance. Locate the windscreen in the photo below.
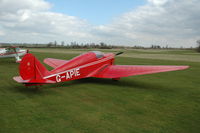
(98, 54)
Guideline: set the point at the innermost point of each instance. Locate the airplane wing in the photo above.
(117, 71)
(54, 62)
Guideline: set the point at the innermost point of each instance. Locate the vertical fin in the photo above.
(31, 69)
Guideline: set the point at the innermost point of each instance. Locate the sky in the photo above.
(96, 12)
(173, 23)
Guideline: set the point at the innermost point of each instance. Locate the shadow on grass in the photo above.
(56, 88)
(122, 83)
(108, 82)
(33, 90)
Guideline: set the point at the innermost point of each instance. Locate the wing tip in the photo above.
(183, 67)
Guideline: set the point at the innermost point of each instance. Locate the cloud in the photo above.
(31, 21)
(157, 2)
(2, 33)
(10, 6)
(162, 22)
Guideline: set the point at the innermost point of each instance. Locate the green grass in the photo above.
(163, 102)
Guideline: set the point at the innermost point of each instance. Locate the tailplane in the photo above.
(32, 71)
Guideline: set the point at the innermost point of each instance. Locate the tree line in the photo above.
(101, 45)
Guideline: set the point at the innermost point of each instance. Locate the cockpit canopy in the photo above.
(98, 54)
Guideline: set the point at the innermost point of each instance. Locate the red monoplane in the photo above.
(90, 64)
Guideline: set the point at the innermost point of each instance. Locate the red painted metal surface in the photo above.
(117, 71)
(54, 62)
(91, 64)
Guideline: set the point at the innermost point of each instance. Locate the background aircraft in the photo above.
(12, 52)
(91, 64)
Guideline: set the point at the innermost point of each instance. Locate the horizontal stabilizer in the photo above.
(117, 71)
(54, 62)
(32, 81)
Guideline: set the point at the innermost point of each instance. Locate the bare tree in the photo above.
(62, 43)
(198, 45)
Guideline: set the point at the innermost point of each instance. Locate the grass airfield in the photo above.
(164, 102)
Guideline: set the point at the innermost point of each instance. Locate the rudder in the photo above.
(31, 69)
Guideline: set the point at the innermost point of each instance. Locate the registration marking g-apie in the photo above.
(69, 74)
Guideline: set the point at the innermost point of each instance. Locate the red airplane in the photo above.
(90, 64)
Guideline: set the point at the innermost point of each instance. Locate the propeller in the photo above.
(119, 53)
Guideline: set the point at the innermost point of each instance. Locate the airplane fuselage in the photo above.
(6, 54)
(80, 67)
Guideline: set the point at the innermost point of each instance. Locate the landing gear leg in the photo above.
(115, 79)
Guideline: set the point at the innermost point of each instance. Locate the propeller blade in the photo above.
(119, 53)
